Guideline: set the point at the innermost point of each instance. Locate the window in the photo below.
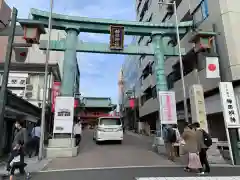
(170, 80)
(201, 13)
(139, 3)
(154, 92)
(150, 19)
(144, 9)
(109, 121)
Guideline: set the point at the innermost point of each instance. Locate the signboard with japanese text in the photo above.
(197, 102)
(64, 114)
(116, 37)
(167, 102)
(229, 105)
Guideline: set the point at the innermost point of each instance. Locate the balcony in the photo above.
(146, 61)
(147, 82)
(194, 77)
(148, 107)
(185, 42)
(190, 79)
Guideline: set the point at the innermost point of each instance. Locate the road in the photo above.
(132, 152)
(131, 160)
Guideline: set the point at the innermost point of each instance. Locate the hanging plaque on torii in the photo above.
(116, 37)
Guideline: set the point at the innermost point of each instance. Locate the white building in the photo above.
(26, 78)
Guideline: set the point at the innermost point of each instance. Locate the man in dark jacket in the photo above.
(202, 149)
(20, 136)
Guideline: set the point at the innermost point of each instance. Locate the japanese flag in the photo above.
(212, 67)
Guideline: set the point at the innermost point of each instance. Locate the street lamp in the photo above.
(41, 146)
(180, 59)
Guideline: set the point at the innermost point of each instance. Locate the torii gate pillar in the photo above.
(69, 63)
(161, 83)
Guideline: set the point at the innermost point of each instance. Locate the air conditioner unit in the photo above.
(28, 95)
(28, 91)
(29, 87)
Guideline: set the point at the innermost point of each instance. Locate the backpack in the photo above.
(207, 139)
(171, 134)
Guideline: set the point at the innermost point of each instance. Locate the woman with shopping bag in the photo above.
(190, 149)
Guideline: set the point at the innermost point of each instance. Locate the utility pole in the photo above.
(41, 145)
(3, 91)
(181, 64)
(180, 59)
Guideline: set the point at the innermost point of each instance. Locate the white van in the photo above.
(108, 129)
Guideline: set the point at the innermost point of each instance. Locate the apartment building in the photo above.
(221, 16)
(26, 78)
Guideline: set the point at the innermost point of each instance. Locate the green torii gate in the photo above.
(74, 25)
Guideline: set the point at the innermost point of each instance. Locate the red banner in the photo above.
(55, 93)
(132, 103)
(75, 103)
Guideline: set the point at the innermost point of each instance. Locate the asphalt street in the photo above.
(133, 151)
(130, 160)
(131, 173)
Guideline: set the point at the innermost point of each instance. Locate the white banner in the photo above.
(167, 102)
(229, 105)
(197, 102)
(64, 114)
(212, 67)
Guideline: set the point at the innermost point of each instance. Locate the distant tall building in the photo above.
(120, 87)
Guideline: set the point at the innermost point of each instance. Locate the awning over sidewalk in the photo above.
(17, 106)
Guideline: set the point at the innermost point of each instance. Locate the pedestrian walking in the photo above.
(20, 138)
(204, 142)
(190, 149)
(78, 132)
(35, 140)
(170, 138)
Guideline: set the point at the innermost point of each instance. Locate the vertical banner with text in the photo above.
(229, 104)
(197, 102)
(64, 114)
(116, 37)
(167, 103)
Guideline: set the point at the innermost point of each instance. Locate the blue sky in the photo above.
(99, 72)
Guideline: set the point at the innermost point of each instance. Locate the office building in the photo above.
(220, 16)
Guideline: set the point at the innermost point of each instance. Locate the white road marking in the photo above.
(117, 167)
(191, 178)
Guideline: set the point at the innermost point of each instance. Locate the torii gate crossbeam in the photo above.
(74, 25)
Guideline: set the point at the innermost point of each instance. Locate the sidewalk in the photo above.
(214, 155)
(33, 165)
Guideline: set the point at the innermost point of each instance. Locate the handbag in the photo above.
(194, 161)
(16, 159)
